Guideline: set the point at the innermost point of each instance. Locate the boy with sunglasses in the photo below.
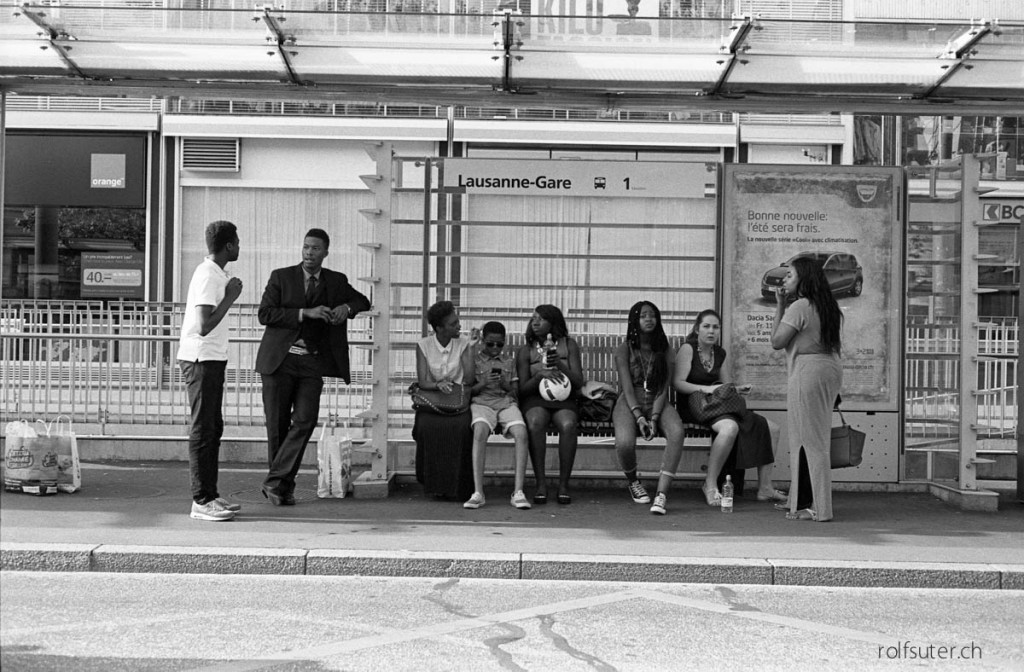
(494, 403)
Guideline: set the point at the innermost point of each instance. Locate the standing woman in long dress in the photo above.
(810, 332)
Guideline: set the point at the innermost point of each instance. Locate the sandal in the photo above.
(564, 499)
(802, 514)
(774, 496)
(713, 498)
(540, 498)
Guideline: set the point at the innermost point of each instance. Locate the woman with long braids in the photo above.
(644, 361)
(810, 332)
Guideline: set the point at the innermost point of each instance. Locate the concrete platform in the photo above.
(133, 517)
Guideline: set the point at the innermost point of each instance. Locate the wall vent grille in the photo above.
(211, 154)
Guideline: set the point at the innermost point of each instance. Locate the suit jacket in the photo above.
(283, 300)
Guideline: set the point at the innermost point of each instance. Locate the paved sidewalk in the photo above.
(134, 517)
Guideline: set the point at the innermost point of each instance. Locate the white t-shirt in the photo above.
(206, 289)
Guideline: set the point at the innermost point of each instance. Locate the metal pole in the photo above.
(970, 218)
(1020, 368)
(46, 269)
(3, 156)
(382, 464)
(425, 290)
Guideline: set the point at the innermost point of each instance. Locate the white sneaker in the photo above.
(638, 493)
(210, 511)
(475, 502)
(230, 506)
(519, 500)
(659, 504)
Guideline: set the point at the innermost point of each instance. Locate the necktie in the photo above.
(310, 290)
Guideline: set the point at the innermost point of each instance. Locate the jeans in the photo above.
(669, 425)
(205, 384)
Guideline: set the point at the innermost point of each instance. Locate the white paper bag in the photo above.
(334, 463)
(69, 467)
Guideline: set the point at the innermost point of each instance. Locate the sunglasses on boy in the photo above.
(494, 344)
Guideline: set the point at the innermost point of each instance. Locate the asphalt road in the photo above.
(89, 622)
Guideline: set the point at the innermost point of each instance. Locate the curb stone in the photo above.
(46, 557)
(198, 560)
(871, 574)
(514, 566)
(646, 569)
(414, 563)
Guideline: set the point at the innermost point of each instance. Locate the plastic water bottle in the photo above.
(549, 347)
(727, 495)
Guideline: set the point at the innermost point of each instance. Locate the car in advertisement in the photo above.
(844, 273)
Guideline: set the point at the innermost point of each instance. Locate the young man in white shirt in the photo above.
(203, 356)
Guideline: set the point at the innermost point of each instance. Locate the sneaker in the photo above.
(519, 500)
(475, 502)
(659, 504)
(638, 493)
(212, 510)
(230, 506)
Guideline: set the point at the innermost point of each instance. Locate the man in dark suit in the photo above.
(305, 309)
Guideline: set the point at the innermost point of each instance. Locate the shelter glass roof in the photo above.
(615, 61)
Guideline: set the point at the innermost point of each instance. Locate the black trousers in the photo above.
(291, 403)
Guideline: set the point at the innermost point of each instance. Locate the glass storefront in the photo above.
(74, 253)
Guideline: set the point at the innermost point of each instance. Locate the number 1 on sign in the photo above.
(626, 180)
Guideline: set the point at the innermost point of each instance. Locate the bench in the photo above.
(595, 458)
(597, 354)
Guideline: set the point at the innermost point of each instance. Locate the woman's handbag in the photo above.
(438, 402)
(707, 406)
(847, 449)
(596, 409)
(596, 402)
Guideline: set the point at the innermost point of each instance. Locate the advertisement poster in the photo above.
(848, 218)
(113, 275)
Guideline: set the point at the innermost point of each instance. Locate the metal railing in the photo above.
(932, 383)
(117, 365)
(18, 103)
(273, 108)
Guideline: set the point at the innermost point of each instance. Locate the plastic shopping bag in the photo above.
(69, 468)
(30, 460)
(334, 463)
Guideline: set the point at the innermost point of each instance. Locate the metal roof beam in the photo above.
(281, 40)
(734, 46)
(53, 35)
(507, 26)
(960, 49)
(598, 99)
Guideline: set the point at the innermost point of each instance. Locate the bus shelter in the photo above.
(437, 233)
